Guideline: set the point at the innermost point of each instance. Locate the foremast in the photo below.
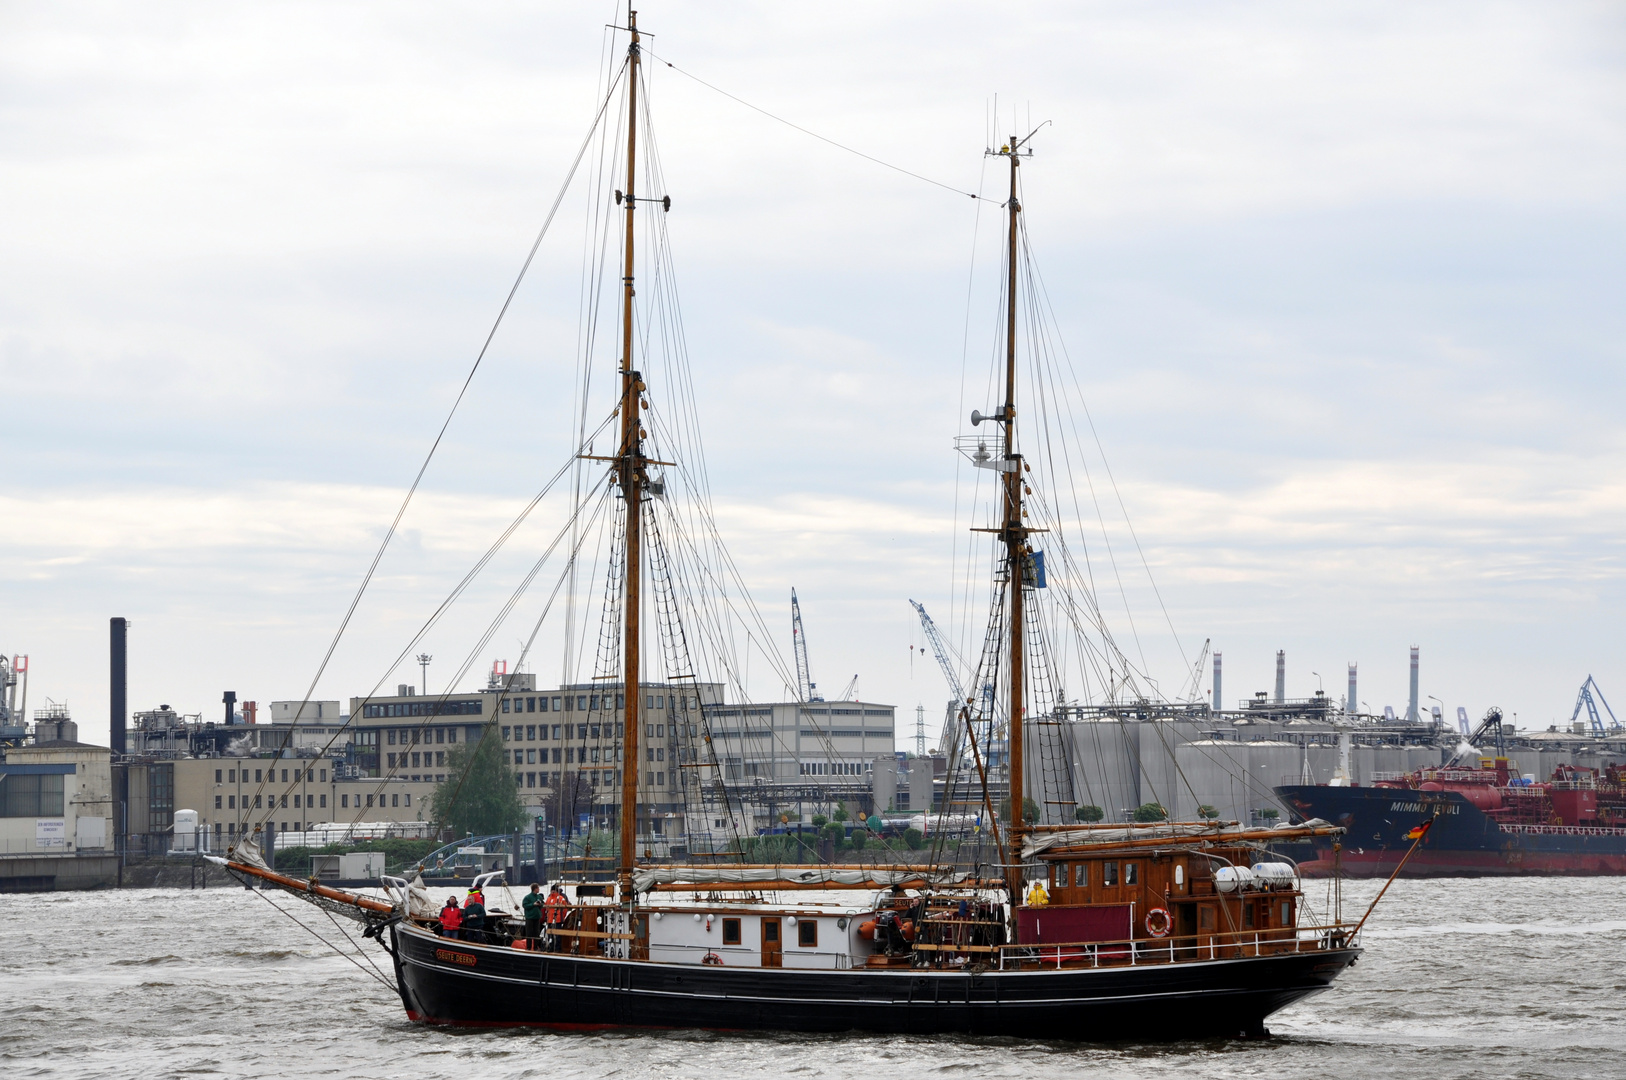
(631, 472)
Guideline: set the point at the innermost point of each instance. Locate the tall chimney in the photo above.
(1281, 676)
(118, 686)
(1411, 704)
(1219, 702)
(230, 699)
(1352, 704)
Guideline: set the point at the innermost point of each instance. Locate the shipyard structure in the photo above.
(314, 772)
(323, 771)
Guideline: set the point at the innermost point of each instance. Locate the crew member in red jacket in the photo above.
(451, 918)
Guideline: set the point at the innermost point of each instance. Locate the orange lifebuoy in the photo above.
(712, 959)
(1162, 924)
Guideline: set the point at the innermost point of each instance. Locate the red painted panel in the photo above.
(1059, 924)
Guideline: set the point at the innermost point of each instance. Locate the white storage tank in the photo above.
(186, 831)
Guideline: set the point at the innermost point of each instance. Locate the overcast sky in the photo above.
(1341, 284)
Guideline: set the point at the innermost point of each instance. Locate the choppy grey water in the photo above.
(1461, 978)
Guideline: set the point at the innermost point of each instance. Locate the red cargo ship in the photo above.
(1488, 820)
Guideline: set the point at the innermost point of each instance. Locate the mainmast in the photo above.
(1014, 535)
(630, 474)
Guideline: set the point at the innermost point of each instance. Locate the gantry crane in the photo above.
(1586, 698)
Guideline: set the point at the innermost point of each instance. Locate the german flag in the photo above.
(1420, 831)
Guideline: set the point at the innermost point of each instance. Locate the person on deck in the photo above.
(558, 909)
(1037, 896)
(532, 904)
(451, 918)
(474, 916)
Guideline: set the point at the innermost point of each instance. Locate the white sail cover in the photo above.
(1036, 843)
(419, 904)
(247, 852)
(648, 877)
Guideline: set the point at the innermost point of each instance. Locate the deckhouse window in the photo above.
(1081, 874)
(1061, 875)
(807, 933)
(1109, 873)
(731, 931)
(1131, 873)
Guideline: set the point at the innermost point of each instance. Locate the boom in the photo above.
(806, 688)
(945, 742)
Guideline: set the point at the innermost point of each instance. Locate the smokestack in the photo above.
(1411, 704)
(1352, 704)
(230, 699)
(1281, 676)
(118, 685)
(1218, 700)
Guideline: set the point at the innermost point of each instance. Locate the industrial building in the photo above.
(56, 801)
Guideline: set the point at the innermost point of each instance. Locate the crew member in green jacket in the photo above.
(533, 912)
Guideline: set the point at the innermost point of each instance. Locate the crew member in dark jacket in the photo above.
(474, 917)
(533, 912)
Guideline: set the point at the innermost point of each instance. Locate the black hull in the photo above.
(447, 982)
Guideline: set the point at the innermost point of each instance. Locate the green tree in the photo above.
(913, 838)
(1206, 811)
(840, 813)
(1270, 813)
(820, 821)
(1089, 813)
(1030, 811)
(860, 838)
(1151, 812)
(479, 795)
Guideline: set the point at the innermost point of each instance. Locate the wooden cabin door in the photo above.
(772, 944)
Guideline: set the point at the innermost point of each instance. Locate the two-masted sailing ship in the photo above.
(1152, 930)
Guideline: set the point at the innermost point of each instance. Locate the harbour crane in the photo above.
(1586, 698)
(806, 688)
(945, 742)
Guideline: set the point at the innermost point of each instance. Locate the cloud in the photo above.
(1340, 285)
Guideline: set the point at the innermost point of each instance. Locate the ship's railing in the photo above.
(1561, 830)
(1169, 950)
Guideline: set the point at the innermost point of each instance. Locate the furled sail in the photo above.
(1230, 832)
(647, 878)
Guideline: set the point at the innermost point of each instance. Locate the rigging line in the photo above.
(490, 726)
(965, 352)
(709, 626)
(359, 951)
(289, 915)
(816, 135)
(446, 605)
(593, 278)
(1034, 315)
(469, 661)
(1044, 294)
(378, 557)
